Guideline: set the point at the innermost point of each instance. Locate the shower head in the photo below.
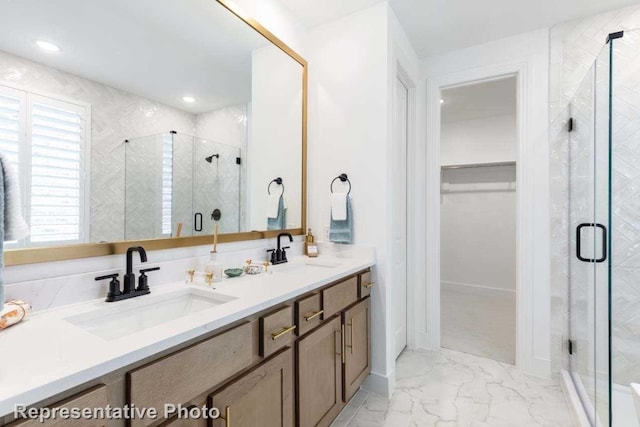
(210, 158)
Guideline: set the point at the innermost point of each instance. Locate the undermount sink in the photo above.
(287, 268)
(125, 318)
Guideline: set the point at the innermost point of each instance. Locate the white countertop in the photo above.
(46, 355)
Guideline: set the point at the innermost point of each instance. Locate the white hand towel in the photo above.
(339, 206)
(273, 205)
(15, 227)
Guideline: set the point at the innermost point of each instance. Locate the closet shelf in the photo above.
(478, 165)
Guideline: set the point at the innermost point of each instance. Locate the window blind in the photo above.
(56, 139)
(10, 114)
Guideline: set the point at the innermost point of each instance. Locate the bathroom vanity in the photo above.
(286, 348)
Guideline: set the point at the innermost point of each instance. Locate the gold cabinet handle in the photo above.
(351, 324)
(284, 331)
(340, 352)
(342, 342)
(369, 285)
(227, 416)
(313, 315)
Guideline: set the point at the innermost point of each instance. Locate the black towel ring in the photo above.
(343, 178)
(278, 181)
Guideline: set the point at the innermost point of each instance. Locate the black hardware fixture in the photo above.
(129, 290)
(216, 215)
(210, 158)
(616, 35)
(143, 284)
(197, 221)
(238, 160)
(279, 255)
(279, 182)
(570, 345)
(571, 124)
(603, 257)
(343, 178)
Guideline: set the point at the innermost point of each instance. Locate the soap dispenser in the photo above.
(311, 247)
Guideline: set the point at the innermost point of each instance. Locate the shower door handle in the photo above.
(603, 257)
(197, 221)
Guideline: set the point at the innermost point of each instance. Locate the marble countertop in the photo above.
(46, 354)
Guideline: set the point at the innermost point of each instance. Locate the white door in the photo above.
(399, 196)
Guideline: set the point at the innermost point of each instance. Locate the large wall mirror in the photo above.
(150, 121)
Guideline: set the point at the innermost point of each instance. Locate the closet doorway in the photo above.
(478, 201)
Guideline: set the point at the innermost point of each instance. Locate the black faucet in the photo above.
(279, 256)
(130, 277)
(130, 290)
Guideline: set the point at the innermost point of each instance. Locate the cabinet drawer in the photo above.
(93, 398)
(366, 283)
(276, 331)
(339, 296)
(182, 376)
(308, 313)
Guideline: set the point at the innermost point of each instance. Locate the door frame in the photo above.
(532, 255)
(402, 76)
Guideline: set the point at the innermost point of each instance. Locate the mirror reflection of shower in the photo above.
(172, 176)
(210, 158)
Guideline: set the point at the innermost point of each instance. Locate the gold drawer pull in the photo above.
(227, 416)
(351, 324)
(369, 285)
(284, 331)
(313, 315)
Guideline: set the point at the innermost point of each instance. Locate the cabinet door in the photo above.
(262, 397)
(320, 375)
(357, 358)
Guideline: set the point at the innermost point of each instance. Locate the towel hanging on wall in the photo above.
(341, 224)
(276, 207)
(15, 227)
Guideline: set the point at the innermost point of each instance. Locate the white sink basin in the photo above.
(131, 316)
(296, 267)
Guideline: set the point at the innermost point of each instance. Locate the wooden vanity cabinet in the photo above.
(262, 397)
(357, 355)
(319, 381)
(294, 364)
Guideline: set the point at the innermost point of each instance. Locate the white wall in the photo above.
(348, 132)
(528, 56)
(487, 139)
(275, 148)
(478, 206)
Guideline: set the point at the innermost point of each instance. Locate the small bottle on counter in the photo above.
(214, 267)
(311, 247)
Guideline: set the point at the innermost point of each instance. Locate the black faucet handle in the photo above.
(273, 255)
(114, 286)
(108, 276)
(143, 283)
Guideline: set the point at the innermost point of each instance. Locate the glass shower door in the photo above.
(588, 252)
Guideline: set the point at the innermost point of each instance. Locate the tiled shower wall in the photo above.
(115, 116)
(574, 48)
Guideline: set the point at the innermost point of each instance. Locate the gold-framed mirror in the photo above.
(149, 123)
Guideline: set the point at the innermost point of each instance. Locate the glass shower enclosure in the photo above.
(604, 221)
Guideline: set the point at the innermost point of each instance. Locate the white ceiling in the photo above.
(480, 100)
(437, 26)
(161, 50)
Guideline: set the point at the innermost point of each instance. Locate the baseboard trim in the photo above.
(380, 384)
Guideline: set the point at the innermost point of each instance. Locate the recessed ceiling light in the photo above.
(48, 46)
(441, 101)
(189, 99)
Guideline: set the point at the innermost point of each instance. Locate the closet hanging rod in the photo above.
(478, 165)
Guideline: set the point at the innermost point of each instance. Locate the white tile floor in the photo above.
(479, 322)
(453, 389)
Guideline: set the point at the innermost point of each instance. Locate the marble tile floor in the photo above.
(453, 389)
